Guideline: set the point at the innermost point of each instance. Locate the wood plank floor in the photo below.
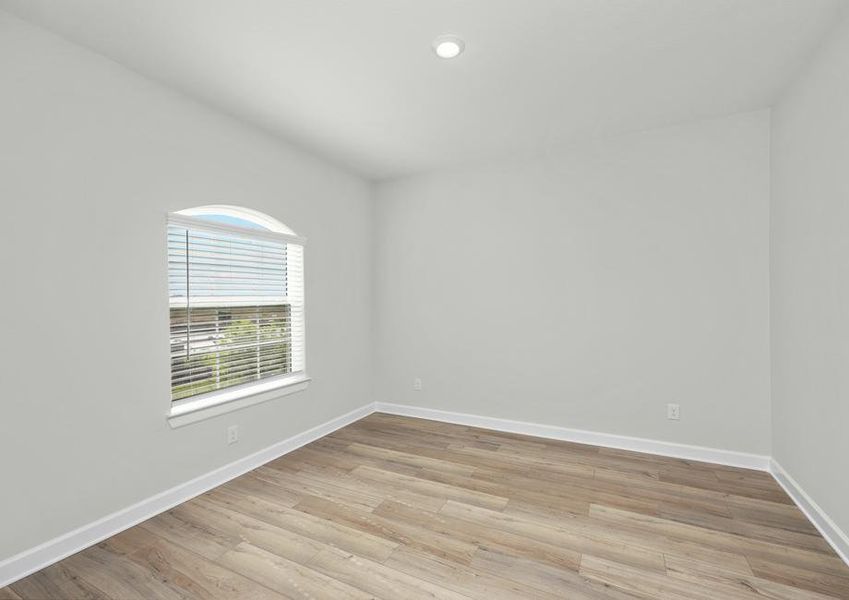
(399, 508)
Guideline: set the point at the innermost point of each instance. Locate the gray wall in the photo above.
(92, 158)
(588, 289)
(810, 279)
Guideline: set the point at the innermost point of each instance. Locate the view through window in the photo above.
(236, 302)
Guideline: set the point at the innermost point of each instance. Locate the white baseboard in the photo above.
(608, 440)
(816, 515)
(37, 558)
(824, 524)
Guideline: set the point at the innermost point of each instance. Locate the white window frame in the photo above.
(204, 406)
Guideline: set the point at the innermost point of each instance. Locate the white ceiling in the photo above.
(355, 81)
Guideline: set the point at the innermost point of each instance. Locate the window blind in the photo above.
(236, 299)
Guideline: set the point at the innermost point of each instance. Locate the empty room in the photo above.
(424, 299)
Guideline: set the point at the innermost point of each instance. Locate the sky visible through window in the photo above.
(228, 220)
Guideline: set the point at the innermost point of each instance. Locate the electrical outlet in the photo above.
(417, 384)
(232, 434)
(673, 412)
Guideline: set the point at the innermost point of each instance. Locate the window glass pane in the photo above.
(218, 347)
(228, 220)
(236, 307)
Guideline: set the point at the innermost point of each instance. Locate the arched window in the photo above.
(236, 300)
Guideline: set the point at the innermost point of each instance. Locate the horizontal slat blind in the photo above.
(237, 306)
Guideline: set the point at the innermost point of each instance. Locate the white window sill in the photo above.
(210, 405)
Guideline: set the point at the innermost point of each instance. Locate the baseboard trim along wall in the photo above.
(34, 559)
(816, 515)
(608, 440)
(37, 558)
(824, 524)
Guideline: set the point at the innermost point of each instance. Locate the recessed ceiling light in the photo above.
(448, 46)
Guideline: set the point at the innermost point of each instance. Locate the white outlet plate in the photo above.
(417, 384)
(673, 412)
(232, 434)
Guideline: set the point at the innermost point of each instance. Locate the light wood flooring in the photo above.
(399, 508)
